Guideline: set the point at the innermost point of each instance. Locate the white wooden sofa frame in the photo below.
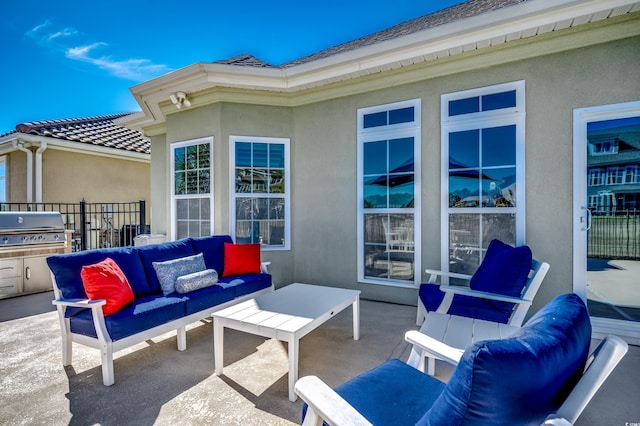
(108, 347)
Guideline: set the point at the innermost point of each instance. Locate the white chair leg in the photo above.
(67, 349)
(108, 377)
(431, 366)
(421, 312)
(182, 338)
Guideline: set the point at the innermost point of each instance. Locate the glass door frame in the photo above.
(628, 330)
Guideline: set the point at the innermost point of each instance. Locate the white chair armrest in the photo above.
(263, 267)
(434, 273)
(325, 404)
(556, 421)
(483, 294)
(80, 303)
(434, 347)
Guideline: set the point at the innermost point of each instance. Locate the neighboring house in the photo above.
(71, 159)
(614, 166)
(412, 147)
(66, 161)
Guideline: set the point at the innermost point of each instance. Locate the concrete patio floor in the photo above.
(158, 385)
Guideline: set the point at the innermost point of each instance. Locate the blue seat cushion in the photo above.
(522, 379)
(160, 253)
(393, 393)
(212, 247)
(245, 284)
(67, 268)
(206, 298)
(144, 313)
(465, 306)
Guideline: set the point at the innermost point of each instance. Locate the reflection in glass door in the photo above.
(607, 144)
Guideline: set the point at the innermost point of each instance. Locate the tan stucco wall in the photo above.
(71, 176)
(323, 152)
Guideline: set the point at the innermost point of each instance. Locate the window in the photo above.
(614, 175)
(192, 188)
(483, 172)
(388, 194)
(259, 207)
(631, 174)
(596, 177)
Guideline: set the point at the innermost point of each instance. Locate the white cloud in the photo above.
(59, 40)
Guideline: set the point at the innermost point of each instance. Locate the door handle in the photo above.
(27, 272)
(586, 218)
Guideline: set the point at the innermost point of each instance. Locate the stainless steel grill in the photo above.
(26, 240)
(31, 228)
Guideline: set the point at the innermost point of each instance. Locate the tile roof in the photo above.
(454, 13)
(97, 130)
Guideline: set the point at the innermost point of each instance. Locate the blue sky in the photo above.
(72, 58)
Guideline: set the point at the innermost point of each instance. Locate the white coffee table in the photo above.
(286, 314)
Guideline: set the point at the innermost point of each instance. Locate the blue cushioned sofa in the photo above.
(152, 313)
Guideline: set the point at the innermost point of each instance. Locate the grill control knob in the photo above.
(5, 239)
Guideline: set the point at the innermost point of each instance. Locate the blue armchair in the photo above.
(514, 381)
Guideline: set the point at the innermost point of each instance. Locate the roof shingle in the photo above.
(96, 130)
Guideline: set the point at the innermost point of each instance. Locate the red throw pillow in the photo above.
(105, 280)
(241, 259)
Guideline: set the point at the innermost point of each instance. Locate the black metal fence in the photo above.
(615, 235)
(95, 225)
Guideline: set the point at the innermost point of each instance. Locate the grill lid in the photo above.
(30, 221)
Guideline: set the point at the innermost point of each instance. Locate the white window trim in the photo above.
(287, 186)
(174, 197)
(412, 129)
(484, 119)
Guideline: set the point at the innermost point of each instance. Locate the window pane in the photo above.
(401, 191)
(464, 106)
(259, 178)
(499, 187)
(192, 182)
(463, 188)
(179, 159)
(498, 226)
(375, 120)
(261, 208)
(203, 182)
(389, 246)
(276, 181)
(243, 180)
(194, 209)
(180, 184)
(401, 155)
(464, 149)
(402, 115)
(203, 156)
(499, 100)
(375, 192)
(182, 209)
(243, 154)
(375, 157)
(244, 208)
(260, 155)
(499, 146)
(464, 243)
(192, 157)
(276, 155)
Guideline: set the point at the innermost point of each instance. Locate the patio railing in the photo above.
(95, 225)
(615, 235)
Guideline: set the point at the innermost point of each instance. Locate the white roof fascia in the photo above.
(78, 147)
(525, 18)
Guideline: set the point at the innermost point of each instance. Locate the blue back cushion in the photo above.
(160, 253)
(67, 268)
(504, 269)
(212, 247)
(522, 379)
